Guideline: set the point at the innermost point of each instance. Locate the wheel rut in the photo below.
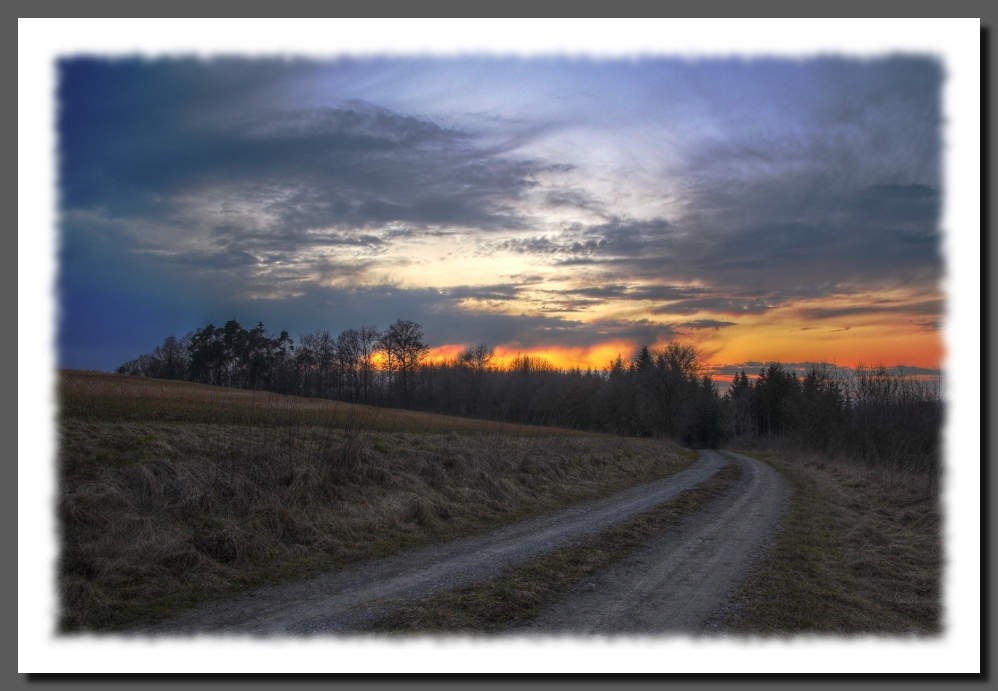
(685, 577)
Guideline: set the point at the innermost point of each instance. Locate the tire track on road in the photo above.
(682, 578)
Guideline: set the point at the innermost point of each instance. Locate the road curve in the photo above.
(682, 578)
(344, 600)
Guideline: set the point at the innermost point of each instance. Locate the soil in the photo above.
(674, 585)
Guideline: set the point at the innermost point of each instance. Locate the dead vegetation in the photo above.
(236, 489)
(123, 398)
(860, 553)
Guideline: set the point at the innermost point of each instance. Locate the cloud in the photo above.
(706, 324)
(752, 369)
(619, 239)
(269, 179)
(924, 307)
(931, 324)
(617, 290)
(718, 305)
(735, 368)
(213, 260)
(498, 292)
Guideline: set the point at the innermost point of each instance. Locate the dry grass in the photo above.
(159, 515)
(520, 593)
(124, 398)
(859, 553)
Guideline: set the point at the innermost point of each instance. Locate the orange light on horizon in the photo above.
(567, 357)
(560, 357)
(765, 344)
(787, 342)
(441, 354)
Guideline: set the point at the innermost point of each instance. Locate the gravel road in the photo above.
(343, 600)
(683, 579)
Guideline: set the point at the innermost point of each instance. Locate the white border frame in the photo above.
(955, 41)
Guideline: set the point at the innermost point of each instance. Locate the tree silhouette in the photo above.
(476, 359)
(403, 345)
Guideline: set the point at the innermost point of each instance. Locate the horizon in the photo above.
(766, 210)
(721, 374)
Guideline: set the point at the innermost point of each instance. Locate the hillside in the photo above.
(172, 493)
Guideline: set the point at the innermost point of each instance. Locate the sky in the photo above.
(762, 209)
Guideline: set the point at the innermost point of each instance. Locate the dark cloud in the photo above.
(899, 205)
(931, 324)
(790, 236)
(527, 331)
(214, 260)
(571, 197)
(918, 371)
(667, 292)
(499, 292)
(594, 295)
(753, 367)
(537, 245)
(925, 307)
(619, 239)
(718, 305)
(706, 324)
(747, 367)
(351, 167)
(608, 291)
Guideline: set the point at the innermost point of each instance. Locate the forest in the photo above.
(882, 417)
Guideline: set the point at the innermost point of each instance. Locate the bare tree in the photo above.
(348, 358)
(386, 346)
(367, 345)
(325, 352)
(306, 364)
(476, 359)
(404, 348)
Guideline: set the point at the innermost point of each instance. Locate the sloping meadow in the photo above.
(860, 553)
(173, 493)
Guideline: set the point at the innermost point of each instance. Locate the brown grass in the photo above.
(229, 492)
(520, 593)
(124, 398)
(859, 553)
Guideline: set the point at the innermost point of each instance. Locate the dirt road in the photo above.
(344, 600)
(684, 578)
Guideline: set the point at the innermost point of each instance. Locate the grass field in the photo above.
(119, 398)
(860, 552)
(172, 493)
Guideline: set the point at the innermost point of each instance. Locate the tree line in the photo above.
(362, 365)
(881, 416)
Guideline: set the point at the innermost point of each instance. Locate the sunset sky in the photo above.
(766, 209)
